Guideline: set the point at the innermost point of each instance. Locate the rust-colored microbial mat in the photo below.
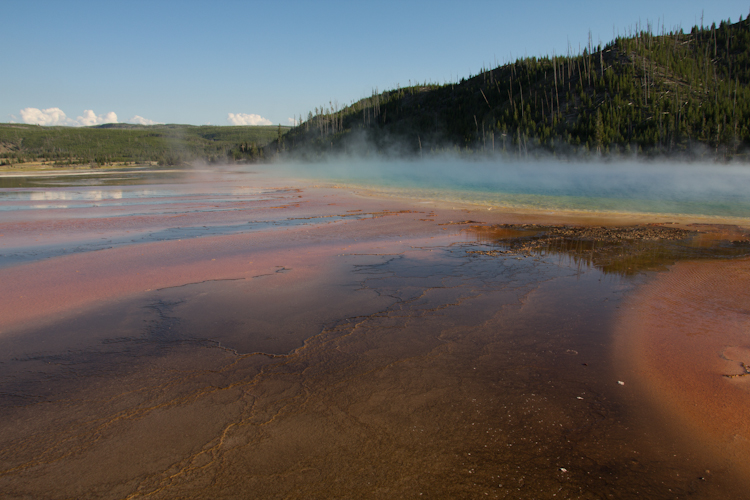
(232, 336)
(685, 340)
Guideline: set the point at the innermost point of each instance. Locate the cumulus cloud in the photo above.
(245, 119)
(89, 118)
(56, 116)
(292, 121)
(139, 120)
(49, 116)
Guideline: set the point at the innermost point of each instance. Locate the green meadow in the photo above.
(132, 144)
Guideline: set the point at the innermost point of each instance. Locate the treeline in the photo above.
(663, 93)
(133, 144)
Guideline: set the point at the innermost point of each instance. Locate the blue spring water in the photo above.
(638, 187)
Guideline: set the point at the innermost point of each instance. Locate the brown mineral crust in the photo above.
(601, 233)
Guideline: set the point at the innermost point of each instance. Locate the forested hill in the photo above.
(668, 94)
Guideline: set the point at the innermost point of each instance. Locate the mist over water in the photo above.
(627, 186)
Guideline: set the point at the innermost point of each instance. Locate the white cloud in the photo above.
(292, 122)
(89, 118)
(139, 120)
(49, 116)
(56, 116)
(245, 119)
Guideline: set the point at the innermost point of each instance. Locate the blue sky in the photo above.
(224, 62)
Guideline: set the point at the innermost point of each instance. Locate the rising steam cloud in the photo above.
(626, 186)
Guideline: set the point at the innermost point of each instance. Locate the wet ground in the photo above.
(50, 216)
(336, 359)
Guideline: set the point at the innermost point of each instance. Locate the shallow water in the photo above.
(626, 257)
(109, 177)
(433, 372)
(389, 370)
(84, 213)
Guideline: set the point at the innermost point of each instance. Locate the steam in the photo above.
(549, 184)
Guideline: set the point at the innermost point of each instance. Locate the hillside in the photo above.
(121, 143)
(675, 94)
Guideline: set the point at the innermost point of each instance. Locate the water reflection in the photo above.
(112, 194)
(622, 251)
(82, 198)
(430, 373)
(95, 195)
(91, 178)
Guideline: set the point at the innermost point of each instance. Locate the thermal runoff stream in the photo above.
(363, 329)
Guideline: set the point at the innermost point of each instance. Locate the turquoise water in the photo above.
(664, 188)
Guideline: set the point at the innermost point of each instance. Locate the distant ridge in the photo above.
(126, 143)
(122, 125)
(668, 94)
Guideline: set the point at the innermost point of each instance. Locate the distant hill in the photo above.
(123, 142)
(670, 94)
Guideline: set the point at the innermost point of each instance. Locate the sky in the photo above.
(225, 62)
